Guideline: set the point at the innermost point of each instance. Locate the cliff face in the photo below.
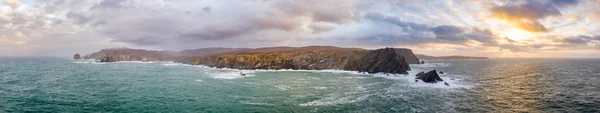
(408, 55)
(371, 61)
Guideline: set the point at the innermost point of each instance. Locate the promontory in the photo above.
(384, 60)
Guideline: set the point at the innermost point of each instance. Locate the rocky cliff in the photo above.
(408, 55)
(372, 61)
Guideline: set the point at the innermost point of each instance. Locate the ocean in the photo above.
(51, 84)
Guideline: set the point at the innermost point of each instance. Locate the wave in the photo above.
(141, 62)
(335, 99)
(228, 75)
(453, 80)
(431, 65)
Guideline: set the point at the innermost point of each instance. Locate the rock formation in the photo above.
(429, 77)
(408, 55)
(372, 61)
(388, 60)
(76, 56)
(108, 59)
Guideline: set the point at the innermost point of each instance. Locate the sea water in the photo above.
(48, 84)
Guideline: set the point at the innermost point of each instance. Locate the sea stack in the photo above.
(429, 77)
(77, 56)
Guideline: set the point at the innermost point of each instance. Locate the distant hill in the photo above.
(425, 57)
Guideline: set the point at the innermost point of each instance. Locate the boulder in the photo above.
(77, 56)
(420, 74)
(429, 77)
(423, 62)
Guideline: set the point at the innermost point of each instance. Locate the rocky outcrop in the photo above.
(429, 77)
(408, 55)
(77, 56)
(372, 61)
(108, 59)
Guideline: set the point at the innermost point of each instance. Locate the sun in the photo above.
(505, 29)
(518, 34)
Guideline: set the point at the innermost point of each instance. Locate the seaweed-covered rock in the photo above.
(429, 77)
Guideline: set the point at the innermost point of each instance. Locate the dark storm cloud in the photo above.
(396, 21)
(580, 39)
(564, 2)
(421, 33)
(449, 33)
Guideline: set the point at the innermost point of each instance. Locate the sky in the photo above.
(491, 28)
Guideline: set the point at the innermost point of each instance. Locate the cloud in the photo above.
(449, 33)
(526, 15)
(13, 3)
(321, 27)
(580, 39)
(86, 25)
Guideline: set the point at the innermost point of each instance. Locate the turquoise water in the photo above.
(45, 84)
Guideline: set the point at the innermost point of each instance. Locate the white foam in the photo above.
(335, 99)
(431, 65)
(198, 80)
(320, 87)
(256, 103)
(282, 87)
(173, 64)
(141, 62)
(228, 74)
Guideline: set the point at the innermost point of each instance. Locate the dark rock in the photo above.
(408, 55)
(108, 59)
(429, 77)
(77, 56)
(446, 83)
(420, 74)
(423, 62)
(441, 72)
